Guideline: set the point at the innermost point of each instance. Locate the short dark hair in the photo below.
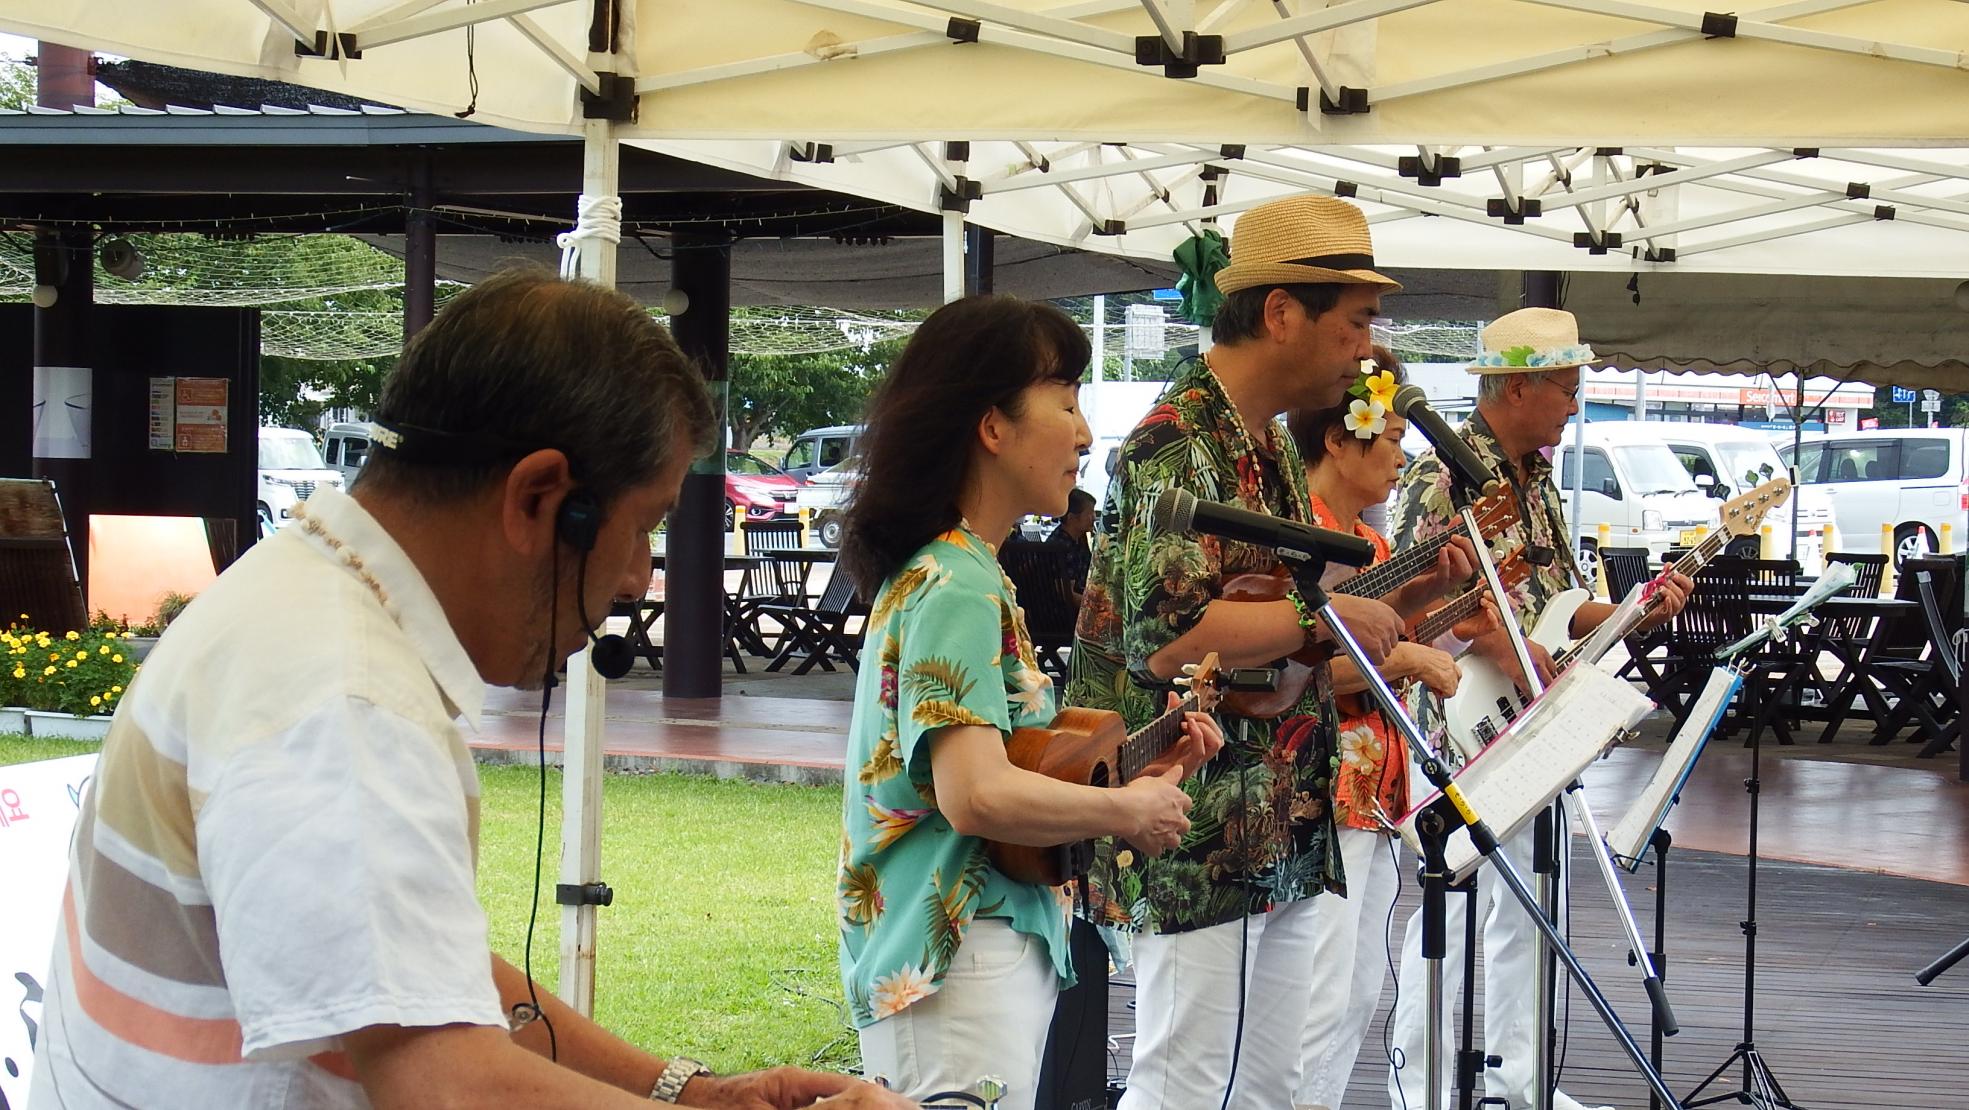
(1079, 501)
(1242, 315)
(528, 361)
(967, 357)
(1309, 427)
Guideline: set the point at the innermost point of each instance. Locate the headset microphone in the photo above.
(579, 524)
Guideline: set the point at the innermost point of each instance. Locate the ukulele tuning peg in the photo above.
(1189, 668)
(1185, 681)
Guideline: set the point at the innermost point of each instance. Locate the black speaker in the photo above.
(1073, 1074)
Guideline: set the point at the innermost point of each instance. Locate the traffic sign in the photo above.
(1903, 395)
(1931, 394)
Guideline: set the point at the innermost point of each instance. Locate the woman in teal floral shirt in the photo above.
(951, 969)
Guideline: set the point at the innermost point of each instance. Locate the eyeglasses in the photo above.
(1572, 393)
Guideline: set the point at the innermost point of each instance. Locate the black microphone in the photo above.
(1178, 510)
(1412, 404)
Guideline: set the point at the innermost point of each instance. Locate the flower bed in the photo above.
(82, 674)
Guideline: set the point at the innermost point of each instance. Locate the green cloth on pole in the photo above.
(1200, 257)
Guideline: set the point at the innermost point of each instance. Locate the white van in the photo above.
(290, 471)
(346, 447)
(1909, 479)
(1636, 486)
(818, 449)
(1727, 460)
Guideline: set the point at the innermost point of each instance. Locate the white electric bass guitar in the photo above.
(1487, 699)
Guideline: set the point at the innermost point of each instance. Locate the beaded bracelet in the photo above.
(1308, 619)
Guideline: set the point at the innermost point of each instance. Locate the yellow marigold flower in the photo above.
(116, 689)
(94, 700)
(81, 655)
(109, 636)
(102, 650)
(20, 672)
(71, 664)
(73, 635)
(54, 656)
(116, 659)
(47, 670)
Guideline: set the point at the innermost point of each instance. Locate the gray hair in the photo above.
(525, 361)
(1491, 387)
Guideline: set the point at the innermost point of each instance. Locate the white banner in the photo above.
(38, 804)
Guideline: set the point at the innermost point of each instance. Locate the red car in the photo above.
(762, 490)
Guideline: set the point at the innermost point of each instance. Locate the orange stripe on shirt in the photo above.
(132, 1021)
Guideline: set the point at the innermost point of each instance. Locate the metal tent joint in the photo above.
(1513, 210)
(616, 101)
(1198, 51)
(1596, 242)
(1351, 102)
(340, 46)
(1431, 170)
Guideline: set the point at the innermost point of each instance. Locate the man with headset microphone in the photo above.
(271, 897)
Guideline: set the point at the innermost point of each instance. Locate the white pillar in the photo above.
(953, 256)
(1098, 336)
(581, 768)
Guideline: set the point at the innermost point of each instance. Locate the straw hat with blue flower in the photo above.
(1530, 341)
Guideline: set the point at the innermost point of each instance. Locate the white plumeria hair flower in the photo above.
(1366, 419)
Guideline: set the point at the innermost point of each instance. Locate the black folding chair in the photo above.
(1045, 592)
(820, 635)
(1917, 664)
(774, 582)
(1894, 660)
(1845, 637)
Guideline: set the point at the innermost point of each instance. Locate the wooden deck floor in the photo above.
(1839, 1016)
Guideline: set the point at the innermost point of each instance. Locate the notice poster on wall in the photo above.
(163, 414)
(201, 416)
(63, 410)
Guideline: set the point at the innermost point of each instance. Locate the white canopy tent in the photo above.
(1043, 86)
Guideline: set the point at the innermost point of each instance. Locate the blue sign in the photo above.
(1903, 396)
(1168, 295)
(1780, 425)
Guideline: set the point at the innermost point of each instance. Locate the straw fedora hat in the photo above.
(1302, 240)
(1531, 340)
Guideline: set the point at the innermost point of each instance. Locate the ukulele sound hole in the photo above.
(1099, 776)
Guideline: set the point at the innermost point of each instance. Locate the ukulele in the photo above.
(1431, 626)
(1495, 515)
(1092, 747)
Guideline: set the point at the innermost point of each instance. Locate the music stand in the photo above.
(1760, 1086)
(1452, 811)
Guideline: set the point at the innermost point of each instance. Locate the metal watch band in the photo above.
(679, 1071)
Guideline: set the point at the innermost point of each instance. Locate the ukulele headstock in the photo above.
(1495, 513)
(1203, 681)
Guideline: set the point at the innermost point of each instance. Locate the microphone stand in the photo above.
(1443, 817)
(1574, 801)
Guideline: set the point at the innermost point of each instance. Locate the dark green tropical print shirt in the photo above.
(1261, 822)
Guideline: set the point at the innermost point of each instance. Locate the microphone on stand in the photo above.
(1179, 510)
(1412, 404)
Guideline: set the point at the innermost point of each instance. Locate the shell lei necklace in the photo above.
(344, 554)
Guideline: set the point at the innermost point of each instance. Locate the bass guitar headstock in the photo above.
(1744, 514)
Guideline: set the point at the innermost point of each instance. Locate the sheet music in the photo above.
(1616, 626)
(1837, 576)
(1547, 747)
(1629, 839)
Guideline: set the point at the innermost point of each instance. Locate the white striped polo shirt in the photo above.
(279, 846)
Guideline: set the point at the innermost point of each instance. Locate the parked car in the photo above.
(824, 497)
(818, 449)
(1911, 479)
(291, 469)
(1636, 486)
(757, 488)
(346, 447)
(1726, 460)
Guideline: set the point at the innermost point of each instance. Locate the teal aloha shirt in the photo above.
(953, 650)
(1261, 824)
(1423, 510)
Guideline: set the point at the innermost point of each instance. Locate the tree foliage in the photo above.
(16, 84)
(787, 394)
(297, 392)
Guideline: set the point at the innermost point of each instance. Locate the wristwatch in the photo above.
(679, 1071)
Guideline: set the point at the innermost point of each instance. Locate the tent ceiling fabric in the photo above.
(1871, 212)
(1664, 72)
(1885, 331)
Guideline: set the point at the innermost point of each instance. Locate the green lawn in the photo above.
(720, 943)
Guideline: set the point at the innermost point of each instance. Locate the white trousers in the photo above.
(1350, 963)
(1510, 1002)
(989, 1018)
(1186, 1012)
